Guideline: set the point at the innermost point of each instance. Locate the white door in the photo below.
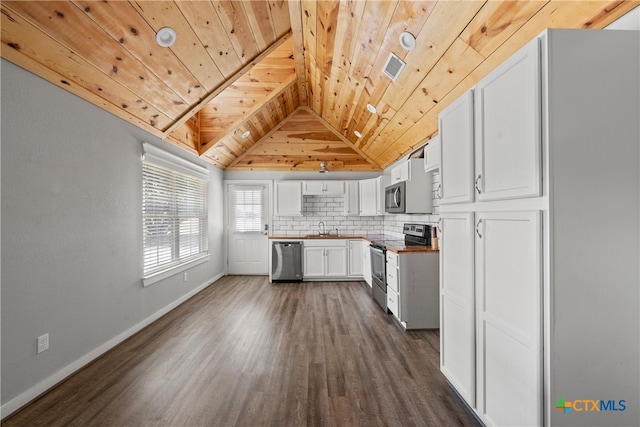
(313, 261)
(247, 228)
(336, 262)
(508, 137)
(456, 151)
(288, 198)
(368, 197)
(355, 258)
(457, 304)
(509, 313)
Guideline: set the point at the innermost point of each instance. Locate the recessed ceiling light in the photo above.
(246, 134)
(358, 134)
(407, 41)
(166, 36)
(371, 108)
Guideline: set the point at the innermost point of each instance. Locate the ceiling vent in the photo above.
(393, 67)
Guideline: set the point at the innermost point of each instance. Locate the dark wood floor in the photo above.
(248, 353)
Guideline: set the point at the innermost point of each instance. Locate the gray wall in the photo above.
(72, 230)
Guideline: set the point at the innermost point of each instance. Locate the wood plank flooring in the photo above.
(244, 352)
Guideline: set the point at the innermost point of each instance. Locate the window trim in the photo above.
(159, 157)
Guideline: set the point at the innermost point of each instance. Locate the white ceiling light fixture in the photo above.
(166, 36)
(357, 133)
(407, 41)
(371, 109)
(323, 167)
(246, 134)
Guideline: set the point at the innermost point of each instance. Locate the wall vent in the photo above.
(393, 67)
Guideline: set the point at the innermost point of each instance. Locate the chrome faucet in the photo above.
(321, 230)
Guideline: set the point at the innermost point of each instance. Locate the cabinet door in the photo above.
(366, 262)
(313, 188)
(457, 304)
(288, 198)
(400, 173)
(333, 187)
(456, 151)
(352, 198)
(509, 315)
(432, 155)
(508, 128)
(314, 262)
(335, 262)
(368, 197)
(355, 258)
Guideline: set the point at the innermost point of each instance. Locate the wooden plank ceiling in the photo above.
(281, 85)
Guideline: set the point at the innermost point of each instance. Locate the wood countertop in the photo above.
(396, 246)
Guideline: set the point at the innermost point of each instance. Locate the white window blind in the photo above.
(247, 207)
(174, 211)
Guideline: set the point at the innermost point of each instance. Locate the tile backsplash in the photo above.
(330, 210)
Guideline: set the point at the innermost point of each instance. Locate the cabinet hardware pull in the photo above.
(476, 184)
(477, 228)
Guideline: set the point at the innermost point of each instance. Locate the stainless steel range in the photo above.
(414, 234)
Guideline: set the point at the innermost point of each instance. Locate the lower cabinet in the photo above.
(491, 312)
(412, 288)
(325, 258)
(355, 258)
(366, 262)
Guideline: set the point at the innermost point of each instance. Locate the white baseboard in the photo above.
(35, 391)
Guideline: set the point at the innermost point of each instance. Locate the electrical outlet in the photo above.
(43, 343)
(184, 277)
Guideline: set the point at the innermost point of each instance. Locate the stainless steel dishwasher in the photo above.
(286, 261)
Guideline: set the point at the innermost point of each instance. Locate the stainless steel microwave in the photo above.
(395, 198)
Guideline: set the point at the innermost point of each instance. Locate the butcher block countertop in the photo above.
(393, 244)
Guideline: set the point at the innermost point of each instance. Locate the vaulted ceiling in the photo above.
(281, 85)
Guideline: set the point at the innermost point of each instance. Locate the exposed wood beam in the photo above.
(343, 139)
(264, 138)
(240, 73)
(295, 15)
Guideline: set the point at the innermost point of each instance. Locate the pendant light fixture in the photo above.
(323, 167)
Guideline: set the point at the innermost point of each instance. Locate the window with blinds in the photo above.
(174, 212)
(247, 207)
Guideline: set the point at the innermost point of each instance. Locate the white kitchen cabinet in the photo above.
(400, 173)
(288, 198)
(456, 161)
(507, 124)
(457, 304)
(325, 258)
(550, 301)
(509, 314)
(370, 197)
(352, 198)
(322, 188)
(355, 258)
(314, 261)
(432, 155)
(413, 277)
(366, 262)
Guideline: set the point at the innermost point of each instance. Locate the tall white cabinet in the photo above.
(540, 258)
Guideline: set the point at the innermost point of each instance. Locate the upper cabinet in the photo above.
(352, 198)
(432, 155)
(491, 136)
(507, 124)
(372, 196)
(288, 198)
(456, 164)
(322, 188)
